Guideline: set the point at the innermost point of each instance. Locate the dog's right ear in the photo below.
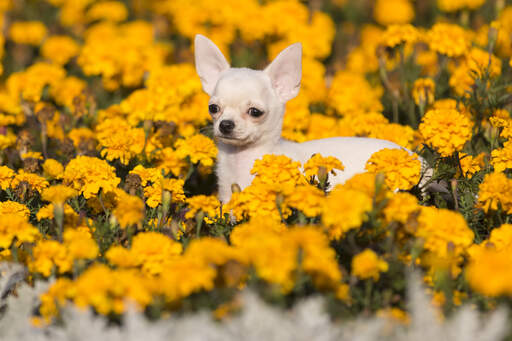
(210, 62)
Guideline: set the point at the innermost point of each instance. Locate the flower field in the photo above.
(107, 174)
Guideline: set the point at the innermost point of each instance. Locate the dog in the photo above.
(247, 107)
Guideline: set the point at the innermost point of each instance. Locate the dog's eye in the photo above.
(213, 108)
(255, 112)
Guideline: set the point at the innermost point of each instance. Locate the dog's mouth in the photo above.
(231, 139)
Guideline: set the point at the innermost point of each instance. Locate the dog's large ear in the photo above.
(285, 72)
(210, 62)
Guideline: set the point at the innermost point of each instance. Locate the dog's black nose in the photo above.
(226, 127)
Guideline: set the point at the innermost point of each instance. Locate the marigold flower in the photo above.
(67, 90)
(107, 10)
(80, 244)
(316, 161)
(443, 230)
(345, 94)
(368, 265)
(89, 174)
(48, 254)
(198, 148)
(16, 226)
(6, 176)
(13, 207)
(154, 251)
(153, 193)
(423, 91)
(502, 157)
(482, 269)
(471, 164)
(400, 207)
(446, 130)
(495, 191)
(59, 49)
(307, 199)
(27, 32)
(388, 12)
(399, 34)
(448, 39)
(147, 175)
(278, 172)
(36, 182)
(401, 169)
(344, 209)
(207, 204)
(456, 5)
(58, 193)
(129, 209)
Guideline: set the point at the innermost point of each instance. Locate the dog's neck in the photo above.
(234, 163)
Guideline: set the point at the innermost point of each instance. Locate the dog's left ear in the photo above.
(285, 72)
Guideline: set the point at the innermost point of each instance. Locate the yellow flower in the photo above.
(209, 205)
(316, 161)
(27, 32)
(53, 169)
(153, 251)
(401, 169)
(495, 190)
(344, 209)
(89, 174)
(278, 172)
(502, 158)
(121, 257)
(31, 82)
(119, 140)
(59, 49)
(399, 34)
(400, 207)
(106, 49)
(36, 182)
(350, 93)
(307, 199)
(107, 10)
(471, 164)
(13, 207)
(448, 39)
(185, 276)
(443, 231)
(388, 12)
(6, 176)
(171, 162)
(153, 193)
(198, 148)
(482, 271)
(79, 135)
(80, 244)
(456, 5)
(58, 193)
(47, 254)
(16, 226)
(446, 130)
(129, 209)
(67, 90)
(368, 264)
(147, 175)
(256, 200)
(423, 91)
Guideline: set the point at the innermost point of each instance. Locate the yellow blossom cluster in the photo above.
(107, 160)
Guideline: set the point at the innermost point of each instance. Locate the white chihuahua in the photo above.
(247, 107)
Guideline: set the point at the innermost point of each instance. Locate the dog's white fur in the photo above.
(235, 90)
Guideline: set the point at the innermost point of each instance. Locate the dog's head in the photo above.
(247, 105)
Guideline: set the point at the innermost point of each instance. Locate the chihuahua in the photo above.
(247, 107)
